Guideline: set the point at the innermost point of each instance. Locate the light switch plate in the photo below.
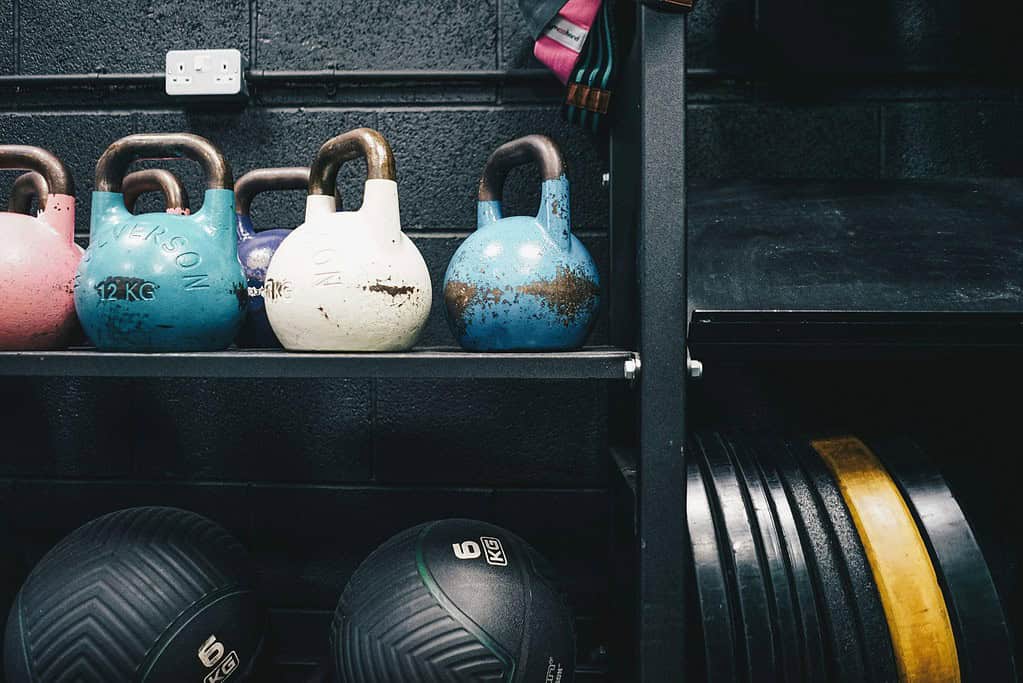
(206, 72)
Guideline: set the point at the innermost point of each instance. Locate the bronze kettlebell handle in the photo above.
(531, 148)
(27, 185)
(155, 180)
(361, 142)
(112, 166)
(26, 158)
(262, 180)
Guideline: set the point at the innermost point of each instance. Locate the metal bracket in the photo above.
(694, 367)
(632, 367)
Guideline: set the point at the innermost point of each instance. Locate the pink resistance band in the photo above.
(562, 41)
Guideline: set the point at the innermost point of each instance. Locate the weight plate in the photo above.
(837, 609)
(981, 631)
(921, 632)
(736, 537)
(781, 592)
(813, 665)
(715, 623)
(870, 610)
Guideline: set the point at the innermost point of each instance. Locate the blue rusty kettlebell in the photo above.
(522, 283)
(159, 281)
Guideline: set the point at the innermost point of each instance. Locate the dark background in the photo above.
(312, 474)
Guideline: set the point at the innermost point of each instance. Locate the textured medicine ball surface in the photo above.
(138, 595)
(455, 600)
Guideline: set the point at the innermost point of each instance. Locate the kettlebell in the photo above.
(522, 283)
(157, 281)
(38, 257)
(256, 248)
(27, 187)
(453, 600)
(153, 595)
(156, 180)
(349, 280)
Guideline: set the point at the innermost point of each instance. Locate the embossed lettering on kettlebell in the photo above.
(126, 289)
(277, 289)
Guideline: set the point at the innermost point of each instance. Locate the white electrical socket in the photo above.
(205, 72)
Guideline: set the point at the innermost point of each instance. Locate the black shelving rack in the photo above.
(647, 362)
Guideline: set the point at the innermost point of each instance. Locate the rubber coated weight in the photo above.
(456, 601)
(784, 610)
(920, 627)
(984, 643)
(847, 654)
(870, 612)
(716, 623)
(146, 595)
(814, 666)
(738, 539)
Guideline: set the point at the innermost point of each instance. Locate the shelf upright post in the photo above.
(648, 311)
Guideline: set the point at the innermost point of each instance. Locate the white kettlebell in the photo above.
(351, 280)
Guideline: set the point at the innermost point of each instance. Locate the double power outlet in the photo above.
(205, 72)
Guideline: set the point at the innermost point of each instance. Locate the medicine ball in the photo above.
(454, 600)
(150, 594)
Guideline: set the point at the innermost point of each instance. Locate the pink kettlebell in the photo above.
(38, 258)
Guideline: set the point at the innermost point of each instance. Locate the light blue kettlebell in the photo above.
(161, 282)
(522, 283)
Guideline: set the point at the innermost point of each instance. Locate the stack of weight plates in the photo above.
(834, 560)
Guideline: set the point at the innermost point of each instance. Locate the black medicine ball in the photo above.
(454, 600)
(153, 595)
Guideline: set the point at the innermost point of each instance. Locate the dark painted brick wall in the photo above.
(312, 474)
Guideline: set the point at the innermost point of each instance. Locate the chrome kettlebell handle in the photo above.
(57, 178)
(155, 180)
(361, 142)
(262, 180)
(27, 185)
(529, 149)
(112, 166)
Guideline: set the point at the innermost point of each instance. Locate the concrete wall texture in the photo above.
(312, 474)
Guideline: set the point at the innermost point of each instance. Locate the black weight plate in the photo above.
(716, 624)
(847, 655)
(801, 643)
(787, 642)
(873, 623)
(814, 660)
(983, 642)
(736, 538)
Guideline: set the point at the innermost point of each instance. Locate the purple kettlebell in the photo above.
(255, 249)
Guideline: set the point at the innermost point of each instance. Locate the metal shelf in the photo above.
(863, 267)
(590, 363)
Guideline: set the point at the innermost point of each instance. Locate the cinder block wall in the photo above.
(312, 474)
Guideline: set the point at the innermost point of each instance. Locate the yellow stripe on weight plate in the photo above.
(925, 648)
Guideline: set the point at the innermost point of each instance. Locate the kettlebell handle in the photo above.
(531, 148)
(26, 158)
(27, 185)
(361, 142)
(155, 180)
(262, 180)
(112, 166)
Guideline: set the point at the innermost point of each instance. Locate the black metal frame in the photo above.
(648, 312)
